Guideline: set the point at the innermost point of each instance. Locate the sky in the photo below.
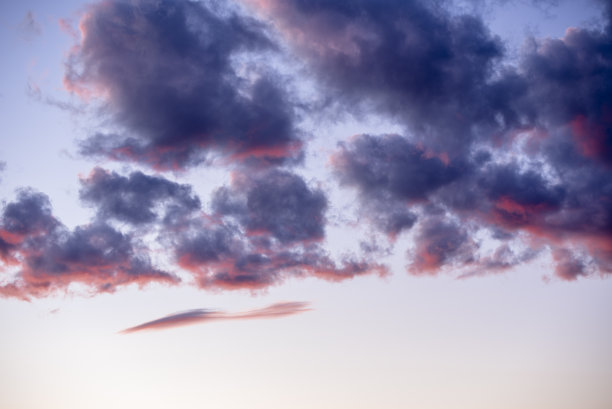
(306, 203)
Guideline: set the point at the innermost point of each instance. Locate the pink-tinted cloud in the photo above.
(568, 266)
(198, 316)
(46, 257)
(270, 227)
(135, 199)
(470, 149)
(222, 262)
(441, 243)
(173, 91)
(593, 137)
(29, 28)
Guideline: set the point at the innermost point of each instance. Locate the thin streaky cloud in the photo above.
(197, 316)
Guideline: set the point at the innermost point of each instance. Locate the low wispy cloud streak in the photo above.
(199, 316)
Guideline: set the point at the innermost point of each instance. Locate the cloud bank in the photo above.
(199, 316)
(168, 75)
(498, 161)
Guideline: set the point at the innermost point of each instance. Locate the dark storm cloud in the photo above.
(48, 257)
(431, 70)
(168, 72)
(191, 317)
(275, 202)
(134, 199)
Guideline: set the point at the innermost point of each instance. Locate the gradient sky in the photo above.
(294, 203)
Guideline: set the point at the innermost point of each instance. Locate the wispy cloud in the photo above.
(198, 316)
(29, 27)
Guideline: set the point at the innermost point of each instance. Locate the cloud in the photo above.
(569, 266)
(570, 83)
(275, 202)
(435, 72)
(224, 258)
(483, 139)
(176, 79)
(270, 226)
(502, 259)
(392, 174)
(392, 164)
(518, 153)
(29, 27)
(273, 234)
(135, 199)
(441, 243)
(519, 198)
(401, 186)
(266, 226)
(49, 257)
(391, 217)
(27, 217)
(200, 316)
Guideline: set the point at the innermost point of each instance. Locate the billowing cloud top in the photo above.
(133, 199)
(515, 152)
(169, 73)
(49, 257)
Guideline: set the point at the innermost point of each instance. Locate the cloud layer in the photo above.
(498, 161)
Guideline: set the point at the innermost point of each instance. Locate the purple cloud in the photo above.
(165, 71)
(134, 199)
(49, 257)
